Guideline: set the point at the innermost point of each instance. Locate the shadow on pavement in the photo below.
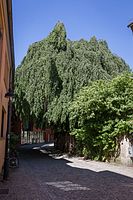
(43, 177)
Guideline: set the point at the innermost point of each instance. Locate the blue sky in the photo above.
(106, 19)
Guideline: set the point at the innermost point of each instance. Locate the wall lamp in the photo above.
(9, 94)
(130, 25)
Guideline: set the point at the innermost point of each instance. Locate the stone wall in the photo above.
(125, 151)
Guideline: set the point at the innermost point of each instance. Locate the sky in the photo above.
(33, 20)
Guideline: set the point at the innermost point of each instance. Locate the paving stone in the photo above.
(44, 177)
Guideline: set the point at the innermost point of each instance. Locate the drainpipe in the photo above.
(6, 161)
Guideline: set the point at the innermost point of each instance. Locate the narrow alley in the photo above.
(42, 176)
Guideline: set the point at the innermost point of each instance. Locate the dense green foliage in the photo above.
(54, 70)
(52, 74)
(14, 141)
(101, 114)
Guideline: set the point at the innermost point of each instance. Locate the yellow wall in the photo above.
(2, 152)
(5, 67)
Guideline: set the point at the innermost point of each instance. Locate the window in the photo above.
(2, 123)
(1, 40)
(6, 73)
(0, 43)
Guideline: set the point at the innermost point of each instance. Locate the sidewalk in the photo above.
(98, 166)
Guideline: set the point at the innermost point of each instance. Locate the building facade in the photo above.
(6, 70)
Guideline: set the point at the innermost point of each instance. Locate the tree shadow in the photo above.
(62, 179)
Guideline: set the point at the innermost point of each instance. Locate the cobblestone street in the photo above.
(44, 177)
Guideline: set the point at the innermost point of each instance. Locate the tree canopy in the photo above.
(101, 114)
(53, 72)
